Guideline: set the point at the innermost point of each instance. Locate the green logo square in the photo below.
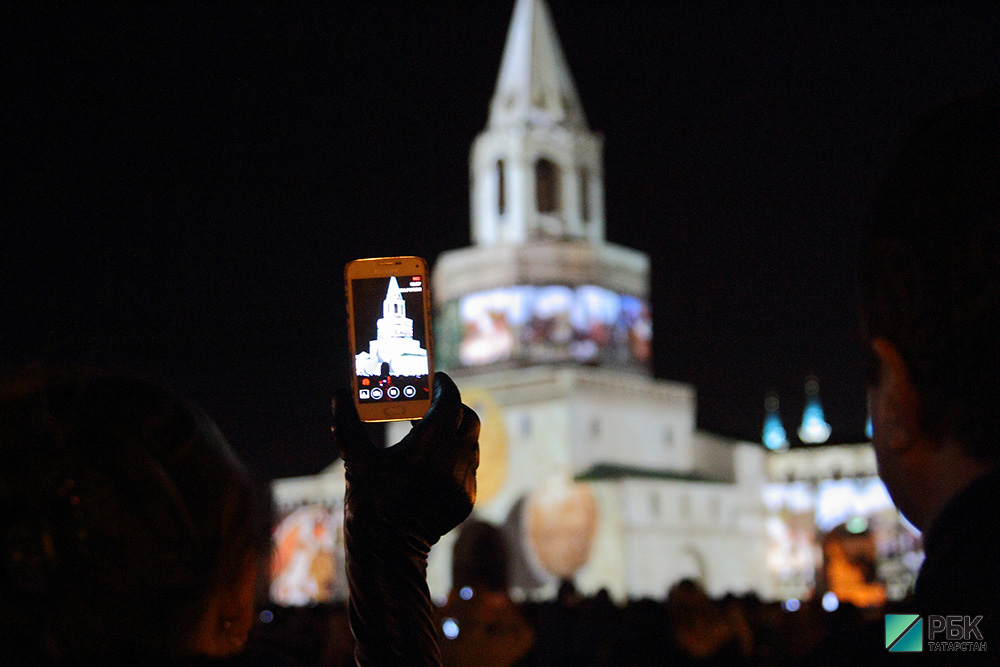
(904, 633)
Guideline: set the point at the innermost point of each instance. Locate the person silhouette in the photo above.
(929, 276)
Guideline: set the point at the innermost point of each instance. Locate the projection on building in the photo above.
(527, 324)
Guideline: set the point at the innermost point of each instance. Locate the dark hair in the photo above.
(122, 507)
(929, 268)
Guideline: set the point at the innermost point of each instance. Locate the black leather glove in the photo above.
(399, 502)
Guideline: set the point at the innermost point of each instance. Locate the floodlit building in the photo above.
(593, 470)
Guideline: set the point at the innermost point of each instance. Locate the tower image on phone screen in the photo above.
(390, 316)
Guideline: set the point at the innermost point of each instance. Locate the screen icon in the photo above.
(376, 393)
(363, 393)
(393, 392)
(409, 391)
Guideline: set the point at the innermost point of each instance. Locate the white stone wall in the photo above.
(678, 529)
(613, 426)
(652, 531)
(823, 462)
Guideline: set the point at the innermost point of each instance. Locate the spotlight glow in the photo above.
(774, 436)
(814, 429)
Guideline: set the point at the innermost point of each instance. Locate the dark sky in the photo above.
(182, 187)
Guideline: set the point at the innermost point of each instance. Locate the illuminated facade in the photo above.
(592, 469)
(832, 526)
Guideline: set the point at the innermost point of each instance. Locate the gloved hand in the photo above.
(425, 484)
(399, 502)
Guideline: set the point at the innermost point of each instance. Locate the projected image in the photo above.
(843, 536)
(390, 317)
(304, 566)
(544, 324)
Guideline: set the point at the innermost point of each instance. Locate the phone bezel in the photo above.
(384, 267)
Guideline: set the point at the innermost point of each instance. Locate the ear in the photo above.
(895, 403)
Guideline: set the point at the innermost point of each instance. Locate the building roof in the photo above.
(610, 471)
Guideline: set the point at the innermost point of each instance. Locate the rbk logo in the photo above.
(904, 633)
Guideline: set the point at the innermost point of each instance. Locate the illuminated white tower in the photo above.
(394, 343)
(537, 168)
(537, 207)
(592, 468)
(394, 323)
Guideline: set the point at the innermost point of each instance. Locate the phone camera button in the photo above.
(376, 393)
(393, 392)
(409, 391)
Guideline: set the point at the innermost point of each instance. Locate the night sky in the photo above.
(183, 186)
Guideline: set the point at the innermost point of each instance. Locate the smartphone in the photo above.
(389, 327)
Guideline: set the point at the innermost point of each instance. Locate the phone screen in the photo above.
(390, 335)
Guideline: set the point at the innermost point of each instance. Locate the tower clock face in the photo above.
(493, 464)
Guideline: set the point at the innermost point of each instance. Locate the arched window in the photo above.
(584, 175)
(547, 186)
(501, 194)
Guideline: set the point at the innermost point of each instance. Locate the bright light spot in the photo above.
(440, 600)
(839, 501)
(830, 601)
(266, 616)
(857, 525)
(814, 429)
(774, 433)
(465, 593)
(791, 604)
(450, 628)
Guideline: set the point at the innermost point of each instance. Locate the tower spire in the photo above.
(535, 86)
(774, 435)
(814, 429)
(541, 284)
(537, 170)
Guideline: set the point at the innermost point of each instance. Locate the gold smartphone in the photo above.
(389, 327)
